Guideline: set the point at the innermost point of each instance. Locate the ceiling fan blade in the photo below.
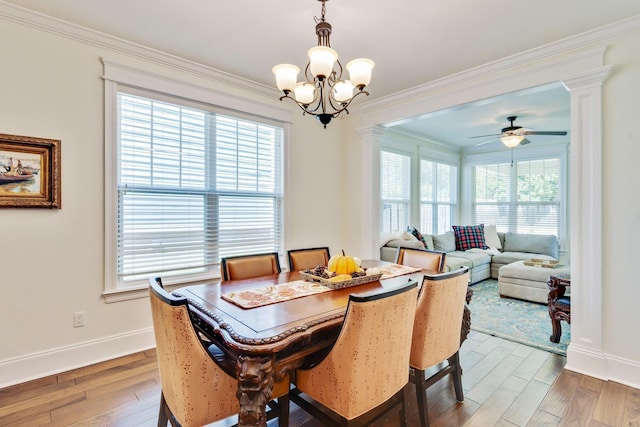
(484, 142)
(495, 135)
(541, 132)
(525, 142)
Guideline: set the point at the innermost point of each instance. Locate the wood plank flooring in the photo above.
(505, 384)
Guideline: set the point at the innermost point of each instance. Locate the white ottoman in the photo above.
(517, 280)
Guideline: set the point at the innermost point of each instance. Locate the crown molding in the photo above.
(592, 42)
(39, 21)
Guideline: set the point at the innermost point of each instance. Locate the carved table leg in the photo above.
(556, 328)
(255, 385)
(466, 317)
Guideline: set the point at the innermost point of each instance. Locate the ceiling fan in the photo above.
(512, 135)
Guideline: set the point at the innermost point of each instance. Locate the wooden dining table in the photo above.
(267, 343)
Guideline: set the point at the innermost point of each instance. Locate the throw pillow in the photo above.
(491, 237)
(469, 237)
(444, 242)
(417, 234)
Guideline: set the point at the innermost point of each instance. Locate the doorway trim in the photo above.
(583, 73)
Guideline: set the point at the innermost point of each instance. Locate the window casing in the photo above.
(191, 183)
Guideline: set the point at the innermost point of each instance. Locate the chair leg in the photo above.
(454, 361)
(404, 397)
(163, 415)
(283, 411)
(421, 394)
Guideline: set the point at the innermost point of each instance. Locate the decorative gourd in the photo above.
(342, 264)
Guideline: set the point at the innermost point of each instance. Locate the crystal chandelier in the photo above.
(324, 94)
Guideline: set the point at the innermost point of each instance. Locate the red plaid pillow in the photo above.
(469, 237)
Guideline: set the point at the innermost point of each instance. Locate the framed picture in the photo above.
(29, 172)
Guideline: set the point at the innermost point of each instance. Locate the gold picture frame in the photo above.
(29, 172)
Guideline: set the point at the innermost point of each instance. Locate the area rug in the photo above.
(515, 320)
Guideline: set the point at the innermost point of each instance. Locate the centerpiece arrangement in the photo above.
(342, 271)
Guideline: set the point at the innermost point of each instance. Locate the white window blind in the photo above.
(524, 198)
(395, 191)
(193, 186)
(438, 196)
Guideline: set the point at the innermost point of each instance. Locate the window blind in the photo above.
(438, 196)
(395, 191)
(523, 199)
(193, 186)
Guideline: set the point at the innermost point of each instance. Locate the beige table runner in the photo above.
(274, 293)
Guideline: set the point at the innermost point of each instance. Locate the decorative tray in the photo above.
(544, 263)
(342, 284)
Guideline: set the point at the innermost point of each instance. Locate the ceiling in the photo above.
(411, 41)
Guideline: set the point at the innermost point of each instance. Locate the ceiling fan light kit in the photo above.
(512, 135)
(511, 141)
(324, 94)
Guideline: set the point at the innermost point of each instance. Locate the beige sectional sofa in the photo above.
(483, 264)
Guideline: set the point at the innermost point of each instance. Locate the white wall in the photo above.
(621, 201)
(52, 260)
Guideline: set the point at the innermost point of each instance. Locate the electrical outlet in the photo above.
(78, 319)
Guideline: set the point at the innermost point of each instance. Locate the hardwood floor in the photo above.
(505, 384)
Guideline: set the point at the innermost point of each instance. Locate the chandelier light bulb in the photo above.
(286, 77)
(321, 61)
(343, 91)
(305, 93)
(360, 71)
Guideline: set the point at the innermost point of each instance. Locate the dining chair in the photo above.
(427, 260)
(436, 334)
(301, 259)
(195, 390)
(365, 373)
(249, 266)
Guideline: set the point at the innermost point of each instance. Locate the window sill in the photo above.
(142, 290)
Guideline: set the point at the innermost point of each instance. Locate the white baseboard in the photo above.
(623, 371)
(51, 362)
(603, 366)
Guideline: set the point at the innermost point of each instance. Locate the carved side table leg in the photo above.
(255, 385)
(556, 328)
(466, 317)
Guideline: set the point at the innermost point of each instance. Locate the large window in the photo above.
(438, 194)
(193, 185)
(435, 182)
(523, 198)
(395, 191)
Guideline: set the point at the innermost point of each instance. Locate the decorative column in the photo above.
(585, 353)
(370, 191)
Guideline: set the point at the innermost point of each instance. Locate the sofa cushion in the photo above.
(400, 243)
(428, 239)
(491, 237)
(476, 258)
(469, 237)
(454, 263)
(509, 257)
(532, 243)
(444, 242)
